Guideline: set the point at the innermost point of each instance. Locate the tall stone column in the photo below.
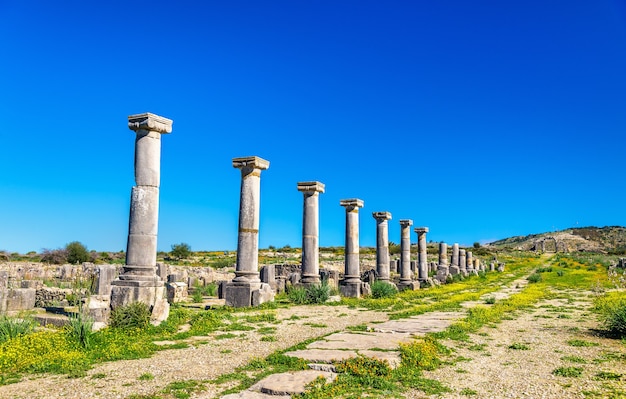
(405, 252)
(246, 288)
(138, 281)
(443, 270)
(422, 254)
(454, 266)
(351, 286)
(469, 261)
(310, 232)
(463, 261)
(382, 244)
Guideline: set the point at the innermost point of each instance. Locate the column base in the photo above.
(243, 295)
(408, 285)
(310, 279)
(454, 270)
(124, 292)
(350, 289)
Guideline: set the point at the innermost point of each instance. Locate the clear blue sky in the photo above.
(481, 119)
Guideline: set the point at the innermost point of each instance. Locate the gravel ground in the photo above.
(497, 371)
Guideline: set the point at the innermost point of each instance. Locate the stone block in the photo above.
(124, 293)
(454, 270)
(350, 290)
(366, 289)
(239, 295)
(99, 308)
(408, 285)
(262, 295)
(20, 299)
(160, 312)
(31, 284)
(220, 288)
(162, 271)
(176, 292)
(281, 284)
(268, 275)
(105, 274)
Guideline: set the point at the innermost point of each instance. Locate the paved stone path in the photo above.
(381, 341)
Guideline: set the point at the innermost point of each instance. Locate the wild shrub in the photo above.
(381, 289)
(180, 251)
(297, 295)
(76, 253)
(79, 330)
(318, 293)
(612, 310)
(54, 256)
(534, 278)
(131, 316)
(490, 300)
(546, 269)
(197, 297)
(14, 327)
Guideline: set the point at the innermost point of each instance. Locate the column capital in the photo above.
(253, 162)
(406, 222)
(150, 122)
(421, 230)
(380, 216)
(311, 186)
(351, 203)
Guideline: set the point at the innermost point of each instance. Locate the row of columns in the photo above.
(140, 282)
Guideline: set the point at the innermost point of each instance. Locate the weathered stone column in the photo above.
(246, 288)
(443, 270)
(454, 266)
(139, 281)
(469, 261)
(422, 267)
(382, 244)
(310, 232)
(463, 261)
(351, 285)
(405, 251)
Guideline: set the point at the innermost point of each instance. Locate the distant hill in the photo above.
(609, 239)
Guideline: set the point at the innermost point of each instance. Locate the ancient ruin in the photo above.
(422, 254)
(382, 245)
(246, 288)
(139, 281)
(310, 232)
(351, 284)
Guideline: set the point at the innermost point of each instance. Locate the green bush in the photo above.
(180, 251)
(297, 295)
(76, 253)
(131, 316)
(382, 289)
(14, 327)
(318, 293)
(534, 278)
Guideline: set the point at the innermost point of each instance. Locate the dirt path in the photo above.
(517, 358)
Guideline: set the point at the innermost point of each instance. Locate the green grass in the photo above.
(519, 346)
(581, 343)
(570, 372)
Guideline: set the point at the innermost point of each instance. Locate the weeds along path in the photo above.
(246, 338)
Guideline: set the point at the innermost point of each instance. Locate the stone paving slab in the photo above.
(322, 355)
(422, 324)
(361, 341)
(290, 383)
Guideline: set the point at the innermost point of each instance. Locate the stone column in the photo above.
(246, 288)
(454, 266)
(470, 261)
(462, 261)
(310, 232)
(422, 269)
(382, 245)
(443, 269)
(351, 285)
(405, 251)
(138, 281)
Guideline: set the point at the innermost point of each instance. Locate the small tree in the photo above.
(476, 245)
(54, 256)
(180, 251)
(76, 253)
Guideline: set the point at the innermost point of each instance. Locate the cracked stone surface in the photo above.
(290, 383)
